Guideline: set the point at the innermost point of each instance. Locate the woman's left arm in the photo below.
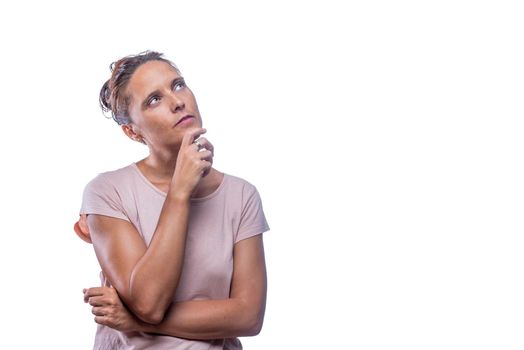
(240, 315)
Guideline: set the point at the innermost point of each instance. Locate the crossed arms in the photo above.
(145, 279)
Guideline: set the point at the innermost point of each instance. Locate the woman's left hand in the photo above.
(109, 309)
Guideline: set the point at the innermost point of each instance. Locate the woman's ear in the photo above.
(130, 131)
(82, 230)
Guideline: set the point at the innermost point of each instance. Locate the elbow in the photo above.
(147, 306)
(149, 313)
(253, 324)
(153, 318)
(253, 328)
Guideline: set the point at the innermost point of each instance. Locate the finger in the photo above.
(99, 301)
(95, 291)
(87, 294)
(196, 146)
(90, 292)
(191, 135)
(205, 164)
(98, 311)
(205, 155)
(206, 167)
(204, 143)
(103, 320)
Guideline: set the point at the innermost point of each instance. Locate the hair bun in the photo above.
(105, 98)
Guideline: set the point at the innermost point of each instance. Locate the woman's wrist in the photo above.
(178, 196)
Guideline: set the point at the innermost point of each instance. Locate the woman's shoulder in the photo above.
(112, 178)
(239, 184)
(119, 172)
(237, 180)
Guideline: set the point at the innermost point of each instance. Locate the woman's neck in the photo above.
(159, 167)
(159, 171)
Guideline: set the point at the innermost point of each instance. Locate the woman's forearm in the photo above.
(209, 319)
(240, 315)
(155, 277)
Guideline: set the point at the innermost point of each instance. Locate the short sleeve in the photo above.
(101, 197)
(252, 218)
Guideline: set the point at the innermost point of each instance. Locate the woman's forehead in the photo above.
(150, 76)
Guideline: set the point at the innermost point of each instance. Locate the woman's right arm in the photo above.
(146, 277)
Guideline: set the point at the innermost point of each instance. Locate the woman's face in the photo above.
(162, 107)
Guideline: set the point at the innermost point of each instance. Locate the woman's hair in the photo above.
(112, 95)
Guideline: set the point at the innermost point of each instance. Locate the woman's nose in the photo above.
(177, 103)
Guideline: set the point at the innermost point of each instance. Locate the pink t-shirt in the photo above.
(231, 213)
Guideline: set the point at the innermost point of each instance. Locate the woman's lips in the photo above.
(185, 120)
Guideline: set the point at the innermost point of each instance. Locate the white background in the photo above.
(385, 137)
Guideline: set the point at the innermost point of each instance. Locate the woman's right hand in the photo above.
(109, 309)
(192, 164)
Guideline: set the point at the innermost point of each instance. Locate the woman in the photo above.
(179, 243)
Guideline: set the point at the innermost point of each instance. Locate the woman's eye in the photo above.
(179, 85)
(153, 100)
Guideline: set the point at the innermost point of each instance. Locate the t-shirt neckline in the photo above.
(164, 194)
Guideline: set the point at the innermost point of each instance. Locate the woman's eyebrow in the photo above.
(177, 80)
